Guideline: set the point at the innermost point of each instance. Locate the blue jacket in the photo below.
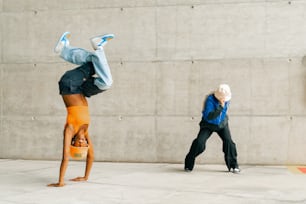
(213, 113)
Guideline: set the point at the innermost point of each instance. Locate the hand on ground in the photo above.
(79, 179)
(56, 185)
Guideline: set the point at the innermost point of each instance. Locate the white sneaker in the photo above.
(62, 42)
(99, 41)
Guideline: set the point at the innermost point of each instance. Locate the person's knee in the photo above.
(199, 146)
(107, 86)
(109, 82)
(229, 141)
(103, 85)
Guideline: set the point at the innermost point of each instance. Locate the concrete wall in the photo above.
(167, 55)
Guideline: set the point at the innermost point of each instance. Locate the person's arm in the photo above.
(89, 162)
(68, 133)
(209, 108)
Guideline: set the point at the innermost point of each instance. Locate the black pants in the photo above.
(199, 144)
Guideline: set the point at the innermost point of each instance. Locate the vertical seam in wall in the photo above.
(1, 70)
(1, 97)
(155, 79)
(265, 27)
(2, 28)
(156, 32)
(290, 118)
(1, 21)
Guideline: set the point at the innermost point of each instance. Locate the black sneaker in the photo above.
(189, 164)
(187, 169)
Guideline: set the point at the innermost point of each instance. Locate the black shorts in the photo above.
(79, 81)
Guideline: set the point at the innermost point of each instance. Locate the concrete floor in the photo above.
(23, 181)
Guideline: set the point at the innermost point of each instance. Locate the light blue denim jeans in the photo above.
(81, 56)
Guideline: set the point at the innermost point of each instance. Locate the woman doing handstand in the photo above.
(93, 76)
